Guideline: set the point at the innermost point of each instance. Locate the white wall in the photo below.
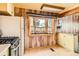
(10, 25)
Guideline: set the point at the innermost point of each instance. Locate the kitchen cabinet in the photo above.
(6, 9)
(66, 41)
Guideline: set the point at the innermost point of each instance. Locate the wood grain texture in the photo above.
(69, 9)
(32, 41)
(40, 41)
(73, 11)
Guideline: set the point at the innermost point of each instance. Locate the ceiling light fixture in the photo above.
(51, 8)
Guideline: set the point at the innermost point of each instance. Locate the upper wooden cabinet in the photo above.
(6, 9)
(19, 11)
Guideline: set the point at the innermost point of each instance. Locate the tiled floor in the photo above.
(45, 51)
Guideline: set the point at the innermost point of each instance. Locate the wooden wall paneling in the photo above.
(48, 37)
(54, 33)
(25, 31)
(38, 42)
(46, 25)
(49, 40)
(34, 24)
(42, 43)
(18, 11)
(77, 24)
(54, 39)
(36, 38)
(74, 22)
(45, 41)
(44, 37)
(72, 11)
(42, 40)
(53, 24)
(29, 31)
(32, 43)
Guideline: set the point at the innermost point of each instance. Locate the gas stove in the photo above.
(8, 40)
(15, 44)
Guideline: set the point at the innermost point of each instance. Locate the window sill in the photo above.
(39, 34)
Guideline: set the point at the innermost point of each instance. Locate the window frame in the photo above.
(46, 25)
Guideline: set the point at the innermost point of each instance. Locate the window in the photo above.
(40, 25)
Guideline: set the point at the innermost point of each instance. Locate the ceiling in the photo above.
(36, 6)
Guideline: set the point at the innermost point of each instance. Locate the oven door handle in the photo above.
(17, 40)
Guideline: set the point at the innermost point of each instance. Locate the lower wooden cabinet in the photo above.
(66, 41)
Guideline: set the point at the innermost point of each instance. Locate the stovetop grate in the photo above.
(8, 40)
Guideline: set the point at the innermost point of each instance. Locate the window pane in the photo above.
(49, 22)
(40, 22)
(49, 25)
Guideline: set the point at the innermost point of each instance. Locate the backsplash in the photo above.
(10, 25)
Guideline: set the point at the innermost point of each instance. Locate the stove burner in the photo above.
(8, 40)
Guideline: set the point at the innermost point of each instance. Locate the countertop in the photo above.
(69, 33)
(3, 47)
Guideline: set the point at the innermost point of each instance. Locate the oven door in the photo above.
(15, 51)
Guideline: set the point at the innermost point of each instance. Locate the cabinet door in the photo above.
(6, 9)
(61, 40)
(3, 7)
(66, 41)
(69, 42)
